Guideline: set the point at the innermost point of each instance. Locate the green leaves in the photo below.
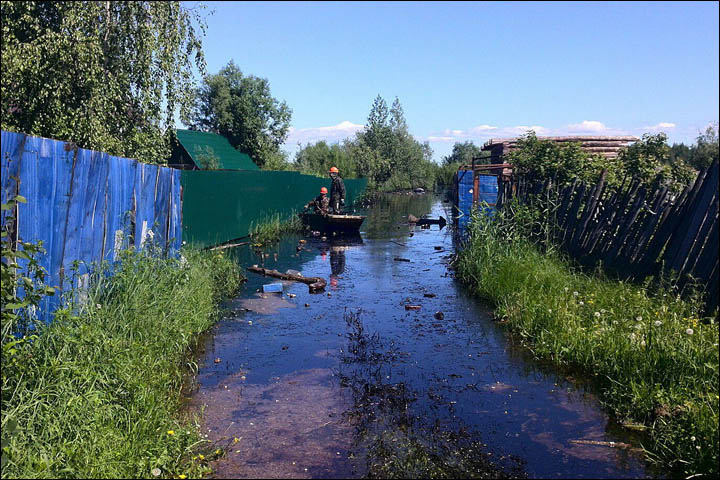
(241, 109)
(105, 75)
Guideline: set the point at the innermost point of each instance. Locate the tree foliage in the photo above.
(316, 159)
(241, 108)
(707, 148)
(105, 75)
(384, 152)
(463, 153)
(387, 154)
(562, 162)
(649, 160)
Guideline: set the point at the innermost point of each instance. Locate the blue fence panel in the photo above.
(145, 182)
(487, 192)
(80, 204)
(120, 188)
(162, 206)
(175, 233)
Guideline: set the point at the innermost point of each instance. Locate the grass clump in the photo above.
(273, 227)
(96, 393)
(654, 359)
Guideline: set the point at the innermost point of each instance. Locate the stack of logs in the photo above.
(608, 147)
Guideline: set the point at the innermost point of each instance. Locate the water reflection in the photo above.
(278, 383)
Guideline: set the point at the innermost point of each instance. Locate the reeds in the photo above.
(273, 227)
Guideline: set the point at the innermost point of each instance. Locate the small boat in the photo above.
(332, 223)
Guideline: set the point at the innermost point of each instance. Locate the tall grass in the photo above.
(273, 227)
(654, 360)
(96, 394)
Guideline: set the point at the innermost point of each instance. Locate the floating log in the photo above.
(433, 221)
(598, 443)
(315, 284)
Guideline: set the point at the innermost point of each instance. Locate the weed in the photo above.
(655, 359)
(97, 391)
(272, 228)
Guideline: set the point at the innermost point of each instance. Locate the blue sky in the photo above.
(477, 70)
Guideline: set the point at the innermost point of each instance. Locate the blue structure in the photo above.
(471, 193)
(85, 205)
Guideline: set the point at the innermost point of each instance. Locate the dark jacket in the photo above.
(337, 190)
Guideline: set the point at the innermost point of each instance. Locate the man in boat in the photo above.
(337, 192)
(321, 203)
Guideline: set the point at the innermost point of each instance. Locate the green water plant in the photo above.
(271, 228)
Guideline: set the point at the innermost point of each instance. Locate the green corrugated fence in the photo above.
(219, 206)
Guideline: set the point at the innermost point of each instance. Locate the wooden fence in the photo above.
(636, 231)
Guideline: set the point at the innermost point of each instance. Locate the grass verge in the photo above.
(272, 228)
(96, 393)
(653, 359)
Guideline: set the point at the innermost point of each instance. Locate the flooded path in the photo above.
(348, 382)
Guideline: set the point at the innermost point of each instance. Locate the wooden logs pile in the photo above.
(315, 284)
(607, 146)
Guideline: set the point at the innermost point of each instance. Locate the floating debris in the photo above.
(217, 360)
(412, 307)
(439, 315)
(400, 259)
(273, 288)
(429, 295)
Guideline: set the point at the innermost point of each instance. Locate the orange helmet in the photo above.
(334, 170)
(323, 190)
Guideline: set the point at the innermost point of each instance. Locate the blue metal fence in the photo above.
(86, 205)
(487, 191)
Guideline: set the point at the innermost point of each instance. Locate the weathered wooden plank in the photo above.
(654, 215)
(627, 222)
(701, 244)
(697, 210)
(572, 215)
(590, 210)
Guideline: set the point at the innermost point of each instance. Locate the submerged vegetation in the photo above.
(398, 442)
(654, 358)
(96, 392)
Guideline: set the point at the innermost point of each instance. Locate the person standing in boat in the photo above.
(337, 192)
(321, 203)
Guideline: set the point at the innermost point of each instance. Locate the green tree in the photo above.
(463, 153)
(387, 154)
(316, 159)
(107, 75)
(706, 149)
(241, 108)
(206, 157)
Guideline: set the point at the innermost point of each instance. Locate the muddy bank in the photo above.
(443, 382)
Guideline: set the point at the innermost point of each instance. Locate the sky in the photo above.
(471, 71)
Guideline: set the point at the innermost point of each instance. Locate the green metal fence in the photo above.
(219, 206)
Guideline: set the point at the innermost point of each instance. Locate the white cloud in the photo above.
(588, 126)
(315, 134)
(480, 129)
(661, 126)
(440, 139)
(483, 133)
